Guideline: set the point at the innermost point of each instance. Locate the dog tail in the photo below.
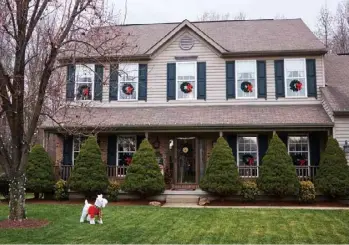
(86, 202)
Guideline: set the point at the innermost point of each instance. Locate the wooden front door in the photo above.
(186, 169)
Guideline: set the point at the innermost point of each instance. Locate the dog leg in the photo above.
(100, 221)
(92, 221)
(82, 218)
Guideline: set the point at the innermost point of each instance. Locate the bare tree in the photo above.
(341, 30)
(33, 35)
(324, 30)
(212, 16)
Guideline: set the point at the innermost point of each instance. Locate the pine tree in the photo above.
(89, 175)
(143, 176)
(221, 177)
(277, 174)
(39, 171)
(332, 177)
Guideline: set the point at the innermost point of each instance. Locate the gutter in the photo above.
(341, 113)
(274, 53)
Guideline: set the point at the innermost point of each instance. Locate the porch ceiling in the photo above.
(243, 116)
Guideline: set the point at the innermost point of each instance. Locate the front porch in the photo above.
(186, 153)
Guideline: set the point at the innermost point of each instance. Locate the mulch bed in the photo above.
(24, 224)
(277, 203)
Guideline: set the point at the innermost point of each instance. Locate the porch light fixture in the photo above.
(346, 147)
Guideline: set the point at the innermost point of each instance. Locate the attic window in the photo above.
(186, 43)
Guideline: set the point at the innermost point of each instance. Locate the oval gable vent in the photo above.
(186, 43)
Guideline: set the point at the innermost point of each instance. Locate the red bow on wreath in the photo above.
(299, 86)
(128, 160)
(85, 91)
(249, 88)
(189, 87)
(302, 162)
(129, 90)
(250, 160)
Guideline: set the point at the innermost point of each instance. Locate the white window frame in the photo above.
(76, 83)
(288, 146)
(238, 156)
(137, 81)
(117, 146)
(305, 85)
(73, 151)
(196, 80)
(236, 80)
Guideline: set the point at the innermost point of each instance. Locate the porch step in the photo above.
(193, 199)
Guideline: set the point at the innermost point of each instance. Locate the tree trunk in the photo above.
(17, 197)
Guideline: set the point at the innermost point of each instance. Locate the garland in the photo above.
(84, 92)
(186, 87)
(247, 87)
(248, 159)
(127, 88)
(296, 85)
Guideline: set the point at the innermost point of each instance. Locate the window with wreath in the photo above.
(126, 147)
(298, 148)
(84, 81)
(246, 78)
(295, 78)
(186, 80)
(77, 143)
(247, 155)
(128, 81)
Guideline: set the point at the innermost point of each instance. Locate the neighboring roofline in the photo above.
(176, 30)
(274, 53)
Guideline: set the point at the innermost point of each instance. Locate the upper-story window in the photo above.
(84, 81)
(128, 81)
(246, 79)
(295, 78)
(186, 80)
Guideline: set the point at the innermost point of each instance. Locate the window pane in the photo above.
(84, 73)
(125, 158)
(128, 72)
(186, 70)
(186, 90)
(186, 77)
(295, 78)
(298, 150)
(246, 79)
(247, 151)
(127, 144)
(127, 90)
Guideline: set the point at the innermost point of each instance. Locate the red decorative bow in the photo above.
(85, 91)
(299, 86)
(128, 160)
(129, 90)
(250, 160)
(302, 162)
(189, 87)
(249, 88)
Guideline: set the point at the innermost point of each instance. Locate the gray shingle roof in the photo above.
(195, 116)
(336, 91)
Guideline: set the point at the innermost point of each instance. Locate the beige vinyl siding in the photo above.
(341, 130)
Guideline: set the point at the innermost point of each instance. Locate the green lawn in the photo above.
(166, 225)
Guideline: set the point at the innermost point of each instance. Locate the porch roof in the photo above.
(192, 116)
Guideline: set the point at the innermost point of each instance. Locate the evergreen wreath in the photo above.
(299, 160)
(84, 92)
(186, 87)
(247, 87)
(248, 159)
(127, 88)
(296, 85)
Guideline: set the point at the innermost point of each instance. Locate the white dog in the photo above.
(90, 211)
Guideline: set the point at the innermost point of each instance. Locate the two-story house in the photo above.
(189, 83)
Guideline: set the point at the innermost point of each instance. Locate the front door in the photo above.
(186, 165)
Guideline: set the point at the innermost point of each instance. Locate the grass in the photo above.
(137, 224)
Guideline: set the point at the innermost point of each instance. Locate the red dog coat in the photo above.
(93, 210)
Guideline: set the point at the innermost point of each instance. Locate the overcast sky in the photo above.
(152, 11)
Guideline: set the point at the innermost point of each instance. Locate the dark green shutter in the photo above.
(201, 76)
(68, 150)
(113, 82)
(231, 139)
(143, 71)
(279, 78)
(230, 79)
(262, 79)
(171, 81)
(262, 146)
(314, 145)
(140, 138)
(111, 156)
(70, 87)
(98, 89)
(311, 78)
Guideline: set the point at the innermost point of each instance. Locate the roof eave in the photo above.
(274, 53)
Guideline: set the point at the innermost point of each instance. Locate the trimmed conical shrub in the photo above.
(89, 174)
(221, 177)
(143, 176)
(39, 171)
(277, 175)
(332, 177)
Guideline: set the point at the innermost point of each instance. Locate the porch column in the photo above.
(220, 134)
(146, 134)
